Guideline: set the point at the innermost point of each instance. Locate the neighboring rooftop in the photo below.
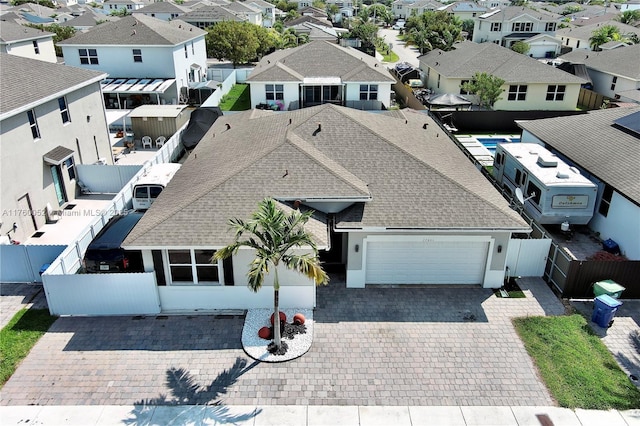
(594, 142)
(12, 32)
(22, 84)
(137, 30)
(623, 61)
(468, 58)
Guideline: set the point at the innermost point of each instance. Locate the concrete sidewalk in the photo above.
(318, 415)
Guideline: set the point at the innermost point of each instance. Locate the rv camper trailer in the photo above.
(553, 192)
(151, 184)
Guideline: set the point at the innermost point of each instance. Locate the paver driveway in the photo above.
(373, 346)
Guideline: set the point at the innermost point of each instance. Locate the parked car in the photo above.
(398, 25)
(105, 254)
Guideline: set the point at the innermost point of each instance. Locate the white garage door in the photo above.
(419, 262)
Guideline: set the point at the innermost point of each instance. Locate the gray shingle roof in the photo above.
(213, 14)
(594, 143)
(304, 61)
(10, 32)
(623, 61)
(469, 58)
(585, 32)
(510, 13)
(25, 81)
(161, 7)
(417, 178)
(138, 30)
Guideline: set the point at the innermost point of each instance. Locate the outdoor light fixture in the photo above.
(88, 118)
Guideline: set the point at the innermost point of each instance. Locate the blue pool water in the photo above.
(490, 143)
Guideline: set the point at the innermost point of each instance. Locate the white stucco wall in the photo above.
(258, 93)
(23, 170)
(384, 91)
(602, 83)
(25, 49)
(622, 225)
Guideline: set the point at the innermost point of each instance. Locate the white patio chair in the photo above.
(160, 140)
(147, 142)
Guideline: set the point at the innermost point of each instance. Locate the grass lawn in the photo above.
(388, 55)
(238, 99)
(18, 337)
(575, 365)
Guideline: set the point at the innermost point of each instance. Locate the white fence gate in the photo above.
(21, 263)
(104, 179)
(527, 258)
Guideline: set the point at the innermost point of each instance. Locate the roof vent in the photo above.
(562, 175)
(547, 162)
(574, 170)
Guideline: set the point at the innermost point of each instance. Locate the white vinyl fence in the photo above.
(102, 294)
(69, 293)
(103, 179)
(527, 258)
(22, 263)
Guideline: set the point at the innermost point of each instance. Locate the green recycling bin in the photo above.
(608, 287)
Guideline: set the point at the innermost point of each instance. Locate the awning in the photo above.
(136, 85)
(195, 66)
(57, 155)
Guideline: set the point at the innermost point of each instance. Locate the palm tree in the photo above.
(273, 234)
(606, 34)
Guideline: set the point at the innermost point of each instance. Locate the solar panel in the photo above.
(630, 123)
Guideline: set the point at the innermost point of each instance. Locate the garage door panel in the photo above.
(432, 262)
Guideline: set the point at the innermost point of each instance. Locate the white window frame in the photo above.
(64, 110)
(137, 55)
(88, 56)
(496, 26)
(276, 91)
(194, 270)
(33, 124)
(556, 92)
(369, 91)
(518, 93)
(522, 27)
(36, 48)
(550, 26)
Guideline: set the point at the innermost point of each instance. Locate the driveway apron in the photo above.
(373, 346)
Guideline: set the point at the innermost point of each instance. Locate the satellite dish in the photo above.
(520, 196)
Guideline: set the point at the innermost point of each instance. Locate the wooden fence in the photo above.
(592, 100)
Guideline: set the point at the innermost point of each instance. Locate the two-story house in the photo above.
(111, 6)
(317, 73)
(529, 83)
(464, 10)
(206, 16)
(402, 9)
(267, 9)
(148, 61)
(51, 118)
(16, 39)
(163, 10)
(508, 25)
(614, 73)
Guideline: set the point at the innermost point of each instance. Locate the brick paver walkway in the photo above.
(373, 346)
(15, 296)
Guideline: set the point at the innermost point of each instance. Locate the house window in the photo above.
(439, 75)
(129, 6)
(605, 202)
(614, 80)
(174, 15)
(499, 159)
(496, 26)
(36, 48)
(550, 27)
(71, 168)
(64, 109)
(522, 26)
(274, 92)
(577, 44)
(137, 55)
(517, 92)
(186, 54)
(33, 123)
(193, 266)
(368, 92)
(193, 51)
(88, 56)
(555, 92)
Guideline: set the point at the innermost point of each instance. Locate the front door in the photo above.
(58, 183)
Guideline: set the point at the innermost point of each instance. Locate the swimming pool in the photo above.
(491, 143)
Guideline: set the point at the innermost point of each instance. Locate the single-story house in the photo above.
(604, 146)
(529, 84)
(320, 72)
(395, 201)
